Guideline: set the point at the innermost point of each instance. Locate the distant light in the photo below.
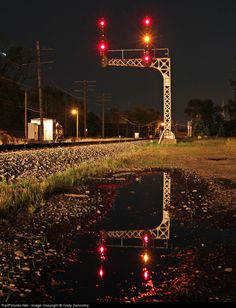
(147, 39)
(101, 249)
(147, 21)
(74, 111)
(101, 272)
(102, 23)
(3, 53)
(145, 274)
(102, 46)
(145, 257)
(146, 236)
(147, 59)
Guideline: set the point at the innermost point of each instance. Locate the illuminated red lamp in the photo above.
(101, 272)
(145, 274)
(147, 59)
(147, 21)
(101, 249)
(102, 46)
(102, 23)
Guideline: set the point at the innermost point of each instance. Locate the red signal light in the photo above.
(147, 21)
(146, 236)
(102, 23)
(147, 59)
(102, 46)
(101, 272)
(145, 274)
(101, 249)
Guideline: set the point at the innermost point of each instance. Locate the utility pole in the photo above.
(223, 108)
(40, 95)
(85, 86)
(102, 99)
(26, 103)
(41, 130)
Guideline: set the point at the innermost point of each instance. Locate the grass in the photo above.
(199, 156)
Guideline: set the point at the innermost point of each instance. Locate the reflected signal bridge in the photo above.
(146, 57)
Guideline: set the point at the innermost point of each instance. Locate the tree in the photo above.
(200, 129)
(230, 108)
(206, 111)
(94, 125)
(143, 115)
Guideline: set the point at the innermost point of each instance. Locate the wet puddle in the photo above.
(145, 237)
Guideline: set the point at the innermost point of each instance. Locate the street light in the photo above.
(76, 112)
(3, 54)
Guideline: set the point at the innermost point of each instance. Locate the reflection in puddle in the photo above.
(161, 222)
(178, 260)
(157, 239)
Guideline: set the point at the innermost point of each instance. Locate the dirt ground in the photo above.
(211, 160)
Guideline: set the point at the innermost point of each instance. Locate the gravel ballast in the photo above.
(43, 162)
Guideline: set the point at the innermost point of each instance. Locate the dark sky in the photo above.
(201, 36)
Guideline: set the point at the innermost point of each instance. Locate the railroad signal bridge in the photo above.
(147, 57)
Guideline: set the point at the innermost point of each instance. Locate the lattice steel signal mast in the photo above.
(148, 57)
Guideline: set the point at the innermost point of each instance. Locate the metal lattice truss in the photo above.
(161, 232)
(163, 66)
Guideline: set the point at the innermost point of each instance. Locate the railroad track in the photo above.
(27, 146)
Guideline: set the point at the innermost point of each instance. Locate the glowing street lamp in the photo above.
(76, 112)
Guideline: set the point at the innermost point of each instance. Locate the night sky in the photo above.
(201, 36)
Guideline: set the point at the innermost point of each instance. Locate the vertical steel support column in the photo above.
(166, 196)
(167, 101)
(163, 66)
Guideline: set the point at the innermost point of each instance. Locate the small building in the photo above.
(33, 131)
(48, 129)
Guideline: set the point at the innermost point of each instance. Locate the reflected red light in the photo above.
(145, 274)
(101, 272)
(101, 249)
(147, 58)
